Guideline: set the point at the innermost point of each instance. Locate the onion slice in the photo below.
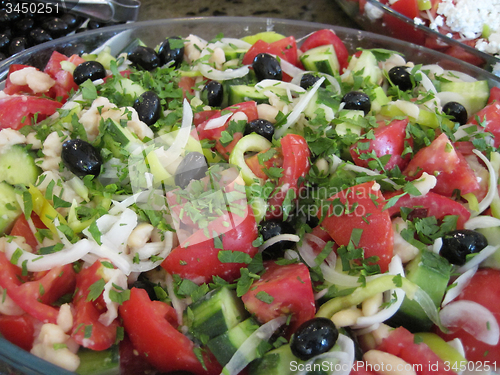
(276, 239)
(492, 185)
(478, 258)
(217, 122)
(459, 285)
(472, 318)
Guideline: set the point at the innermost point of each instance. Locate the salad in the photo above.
(262, 205)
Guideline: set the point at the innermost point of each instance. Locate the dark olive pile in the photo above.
(20, 30)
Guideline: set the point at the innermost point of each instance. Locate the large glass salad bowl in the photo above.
(181, 296)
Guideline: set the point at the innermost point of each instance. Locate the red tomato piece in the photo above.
(64, 79)
(22, 228)
(11, 88)
(276, 283)
(494, 94)
(483, 288)
(87, 330)
(295, 166)
(152, 328)
(401, 343)
(325, 37)
(389, 140)
(285, 49)
(449, 166)
(489, 117)
(18, 329)
(18, 111)
(433, 204)
(197, 258)
(258, 169)
(362, 209)
(187, 84)
(400, 28)
(461, 54)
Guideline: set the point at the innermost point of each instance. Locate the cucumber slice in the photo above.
(17, 166)
(105, 362)
(275, 362)
(266, 36)
(321, 59)
(126, 86)
(365, 65)
(216, 313)
(115, 133)
(475, 94)
(244, 93)
(225, 345)
(9, 208)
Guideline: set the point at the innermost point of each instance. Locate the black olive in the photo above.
(213, 94)
(192, 167)
(457, 111)
(261, 127)
(314, 337)
(148, 107)
(4, 42)
(24, 26)
(272, 228)
(307, 80)
(39, 36)
(4, 18)
(18, 44)
(147, 286)
(171, 49)
(458, 244)
(56, 27)
(92, 70)
(72, 20)
(357, 100)
(81, 157)
(400, 77)
(74, 49)
(266, 66)
(144, 58)
(93, 24)
(3, 56)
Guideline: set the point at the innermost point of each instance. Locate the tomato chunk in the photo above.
(18, 111)
(325, 37)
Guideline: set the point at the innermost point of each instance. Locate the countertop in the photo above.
(322, 11)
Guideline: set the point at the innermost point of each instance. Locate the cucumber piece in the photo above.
(266, 36)
(492, 234)
(105, 362)
(9, 208)
(325, 101)
(244, 93)
(234, 53)
(379, 100)
(115, 133)
(224, 346)
(216, 313)
(17, 166)
(275, 362)
(367, 66)
(126, 86)
(432, 273)
(321, 59)
(475, 94)
(347, 127)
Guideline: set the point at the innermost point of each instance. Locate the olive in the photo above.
(56, 27)
(314, 337)
(192, 167)
(3, 56)
(74, 49)
(148, 107)
(213, 94)
(307, 80)
(400, 77)
(272, 228)
(39, 36)
(4, 41)
(171, 49)
(93, 24)
(459, 243)
(457, 111)
(357, 100)
(144, 58)
(24, 26)
(4, 18)
(261, 127)
(266, 66)
(92, 70)
(72, 20)
(81, 157)
(18, 44)
(147, 286)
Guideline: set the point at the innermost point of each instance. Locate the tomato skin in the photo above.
(490, 119)
(22, 228)
(324, 37)
(401, 29)
(449, 166)
(368, 215)
(494, 94)
(151, 326)
(87, 312)
(483, 288)
(18, 111)
(18, 329)
(435, 204)
(285, 49)
(389, 140)
(278, 281)
(295, 166)
(400, 343)
(197, 259)
(258, 169)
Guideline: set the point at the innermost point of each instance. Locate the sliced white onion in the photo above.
(246, 353)
(462, 133)
(299, 107)
(472, 318)
(119, 260)
(340, 361)
(433, 69)
(478, 258)
(276, 239)
(217, 122)
(117, 235)
(37, 263)
(427, 83)
(222, 75)
(333, 82)
(148, 265)
(351, 167)
(409, 108)
(115, 278)
(437, 245)
(492, 184)
(458, 285)
(273, 83)
(482, 221)
(177, 304)
(290, 69)
(455, 75)
(238, 43)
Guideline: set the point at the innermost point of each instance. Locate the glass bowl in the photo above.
(373, 16)
(14, 360)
